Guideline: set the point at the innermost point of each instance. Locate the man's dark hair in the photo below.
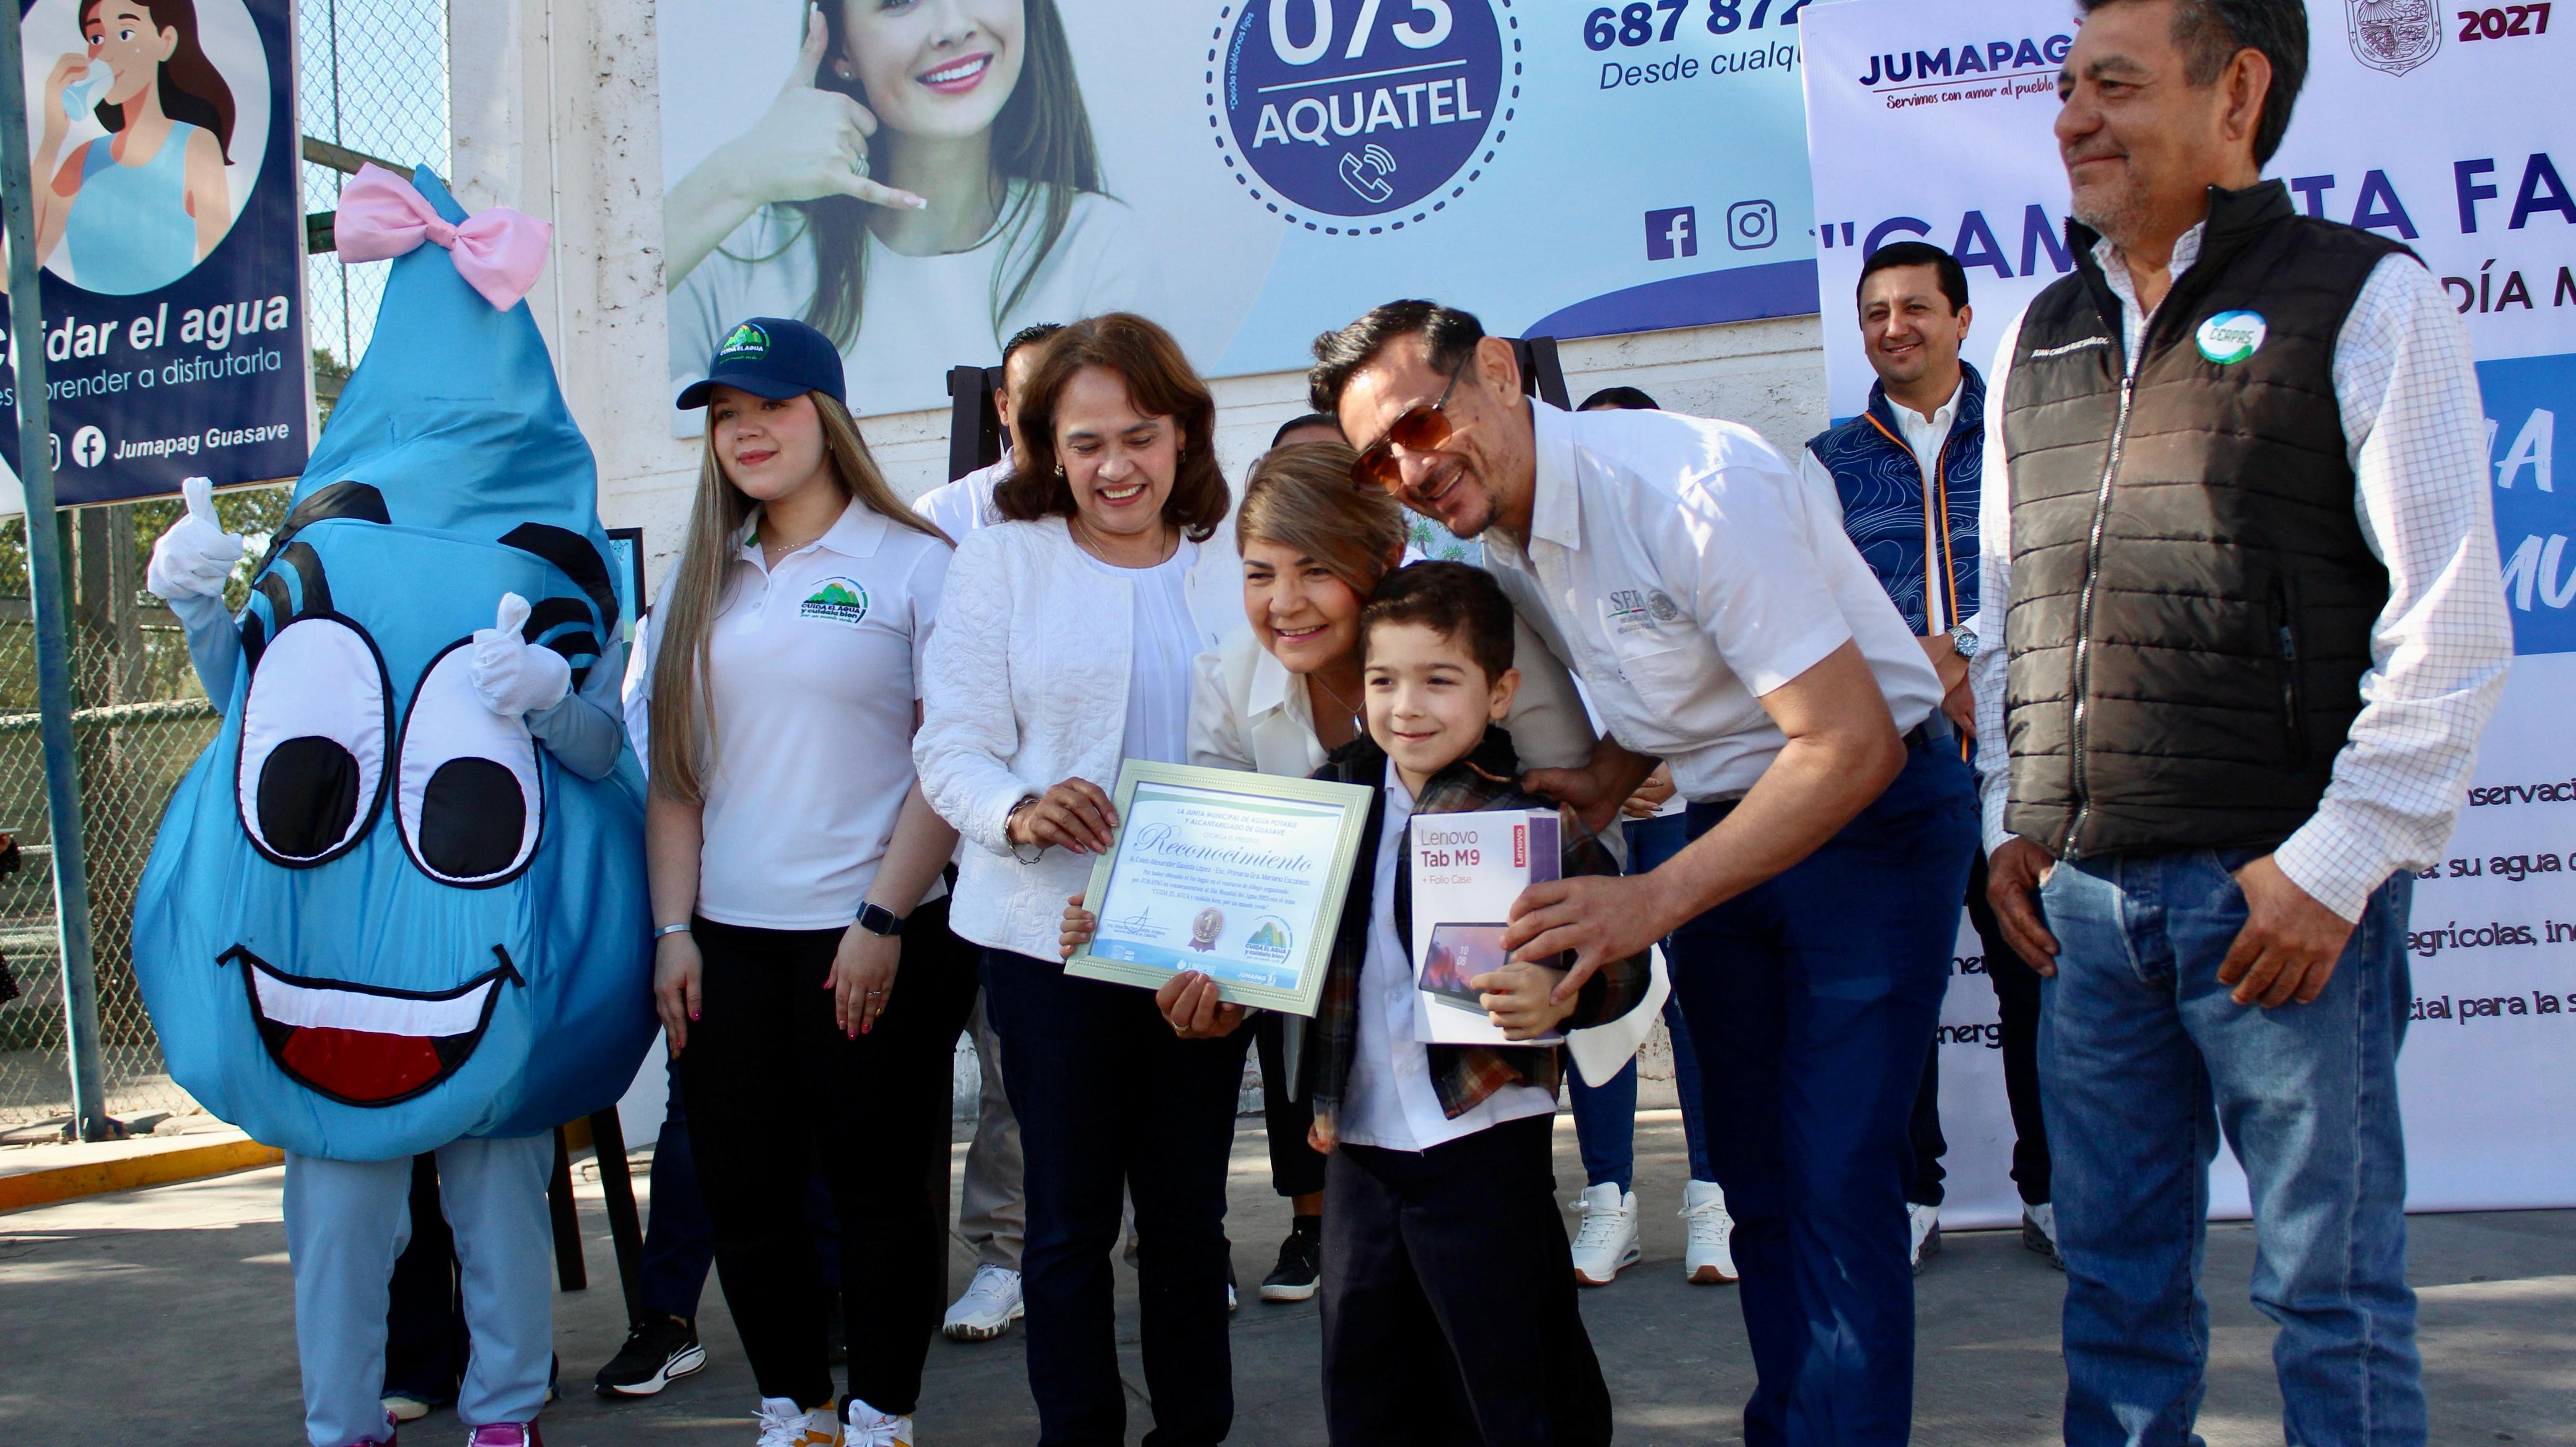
(1626, 399)
(1954, 278)
(2210, 32)
(1460, 603)
(1451, 333)
(1029, 336)
(1311, 419)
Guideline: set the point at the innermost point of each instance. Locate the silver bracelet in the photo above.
(1039, 850)
(670, 929)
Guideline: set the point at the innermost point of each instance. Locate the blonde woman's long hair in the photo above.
(683, 708)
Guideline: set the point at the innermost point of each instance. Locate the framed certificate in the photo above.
(1237, 876)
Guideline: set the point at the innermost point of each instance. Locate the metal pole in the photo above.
(45, 595)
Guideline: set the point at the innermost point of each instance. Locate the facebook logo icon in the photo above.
(1671, 234)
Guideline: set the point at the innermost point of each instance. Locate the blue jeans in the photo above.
(1605, 1117)
(2144, 1060)
(1813, 997)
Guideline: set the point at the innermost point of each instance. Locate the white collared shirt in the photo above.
(2415, 436)
(1683, 571)
(1389, 1101)
(1924, 437)
(966, 504)
(813, 669)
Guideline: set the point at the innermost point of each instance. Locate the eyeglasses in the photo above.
(1419, 429)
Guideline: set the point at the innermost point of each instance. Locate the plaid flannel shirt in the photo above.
(1462, 1075)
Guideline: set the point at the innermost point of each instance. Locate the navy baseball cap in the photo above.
(775, 358)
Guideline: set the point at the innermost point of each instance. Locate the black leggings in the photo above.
(771, 1083)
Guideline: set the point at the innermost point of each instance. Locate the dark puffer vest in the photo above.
(2192, 595)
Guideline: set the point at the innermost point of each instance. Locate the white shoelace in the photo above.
(1600, 1228)
(780, 1428)
(993, 1283)
(883, 1432)
(1708, 1222)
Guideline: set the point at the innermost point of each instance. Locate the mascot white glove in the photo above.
(513, 676)
(196, 555)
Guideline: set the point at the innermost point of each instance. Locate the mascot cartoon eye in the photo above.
(314, 727)
(467, 793)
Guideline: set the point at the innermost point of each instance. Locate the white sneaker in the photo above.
(865, 1426)
(784, 1424)
(2039, 1232)
(1708, 1260)
(1924, 1225)
(991, 1303)
(1608, 1239)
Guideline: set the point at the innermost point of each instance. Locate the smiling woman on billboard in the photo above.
(142, 207)
(927, 180)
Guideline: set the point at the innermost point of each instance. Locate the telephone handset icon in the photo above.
(1365, 171)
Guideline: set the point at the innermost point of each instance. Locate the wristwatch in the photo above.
(876, 919)
(1964, 639)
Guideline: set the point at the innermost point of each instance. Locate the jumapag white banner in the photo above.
(1931, 119)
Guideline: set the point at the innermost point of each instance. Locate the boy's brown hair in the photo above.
(1460, 603)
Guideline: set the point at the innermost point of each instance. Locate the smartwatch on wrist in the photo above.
(876, 919)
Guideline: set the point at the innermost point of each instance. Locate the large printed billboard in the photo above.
(170, 230)
(1247, 172)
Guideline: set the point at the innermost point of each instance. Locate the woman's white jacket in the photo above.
(1025, 686)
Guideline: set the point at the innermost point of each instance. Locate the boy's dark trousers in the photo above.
(1448, 1298)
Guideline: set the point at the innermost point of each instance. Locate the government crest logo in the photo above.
(2392, 35)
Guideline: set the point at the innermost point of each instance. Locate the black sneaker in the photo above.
(658, 1351)
(1301, 1261)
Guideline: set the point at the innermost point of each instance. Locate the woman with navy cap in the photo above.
(804, 966)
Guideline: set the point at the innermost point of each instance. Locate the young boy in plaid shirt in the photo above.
(1448, 1290)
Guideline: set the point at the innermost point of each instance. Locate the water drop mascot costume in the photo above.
(398, 905)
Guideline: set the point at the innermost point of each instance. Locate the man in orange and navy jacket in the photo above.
(1903, 475)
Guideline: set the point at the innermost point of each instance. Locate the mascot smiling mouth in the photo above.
(366, 1044)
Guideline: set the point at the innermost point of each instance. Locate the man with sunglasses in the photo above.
(1725, 624)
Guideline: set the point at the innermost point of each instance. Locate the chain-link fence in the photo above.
(373, 80)
(140, 720)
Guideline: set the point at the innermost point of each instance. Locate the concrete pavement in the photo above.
(165, 1314)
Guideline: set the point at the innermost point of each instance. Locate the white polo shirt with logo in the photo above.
(1681, 569)
(815, 667)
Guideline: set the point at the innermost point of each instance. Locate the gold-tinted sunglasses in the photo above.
(1419, 429)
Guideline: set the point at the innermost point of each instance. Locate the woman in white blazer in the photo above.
(1277, 697)
(1065, 644)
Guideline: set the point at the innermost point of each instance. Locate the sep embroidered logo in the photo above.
(1633, 610)
(839, 600)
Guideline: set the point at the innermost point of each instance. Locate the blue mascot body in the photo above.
(378, 917)
(382, 917)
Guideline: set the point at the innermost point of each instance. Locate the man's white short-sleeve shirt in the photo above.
(1681, 569)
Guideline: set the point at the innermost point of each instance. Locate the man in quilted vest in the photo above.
(2240, 560)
